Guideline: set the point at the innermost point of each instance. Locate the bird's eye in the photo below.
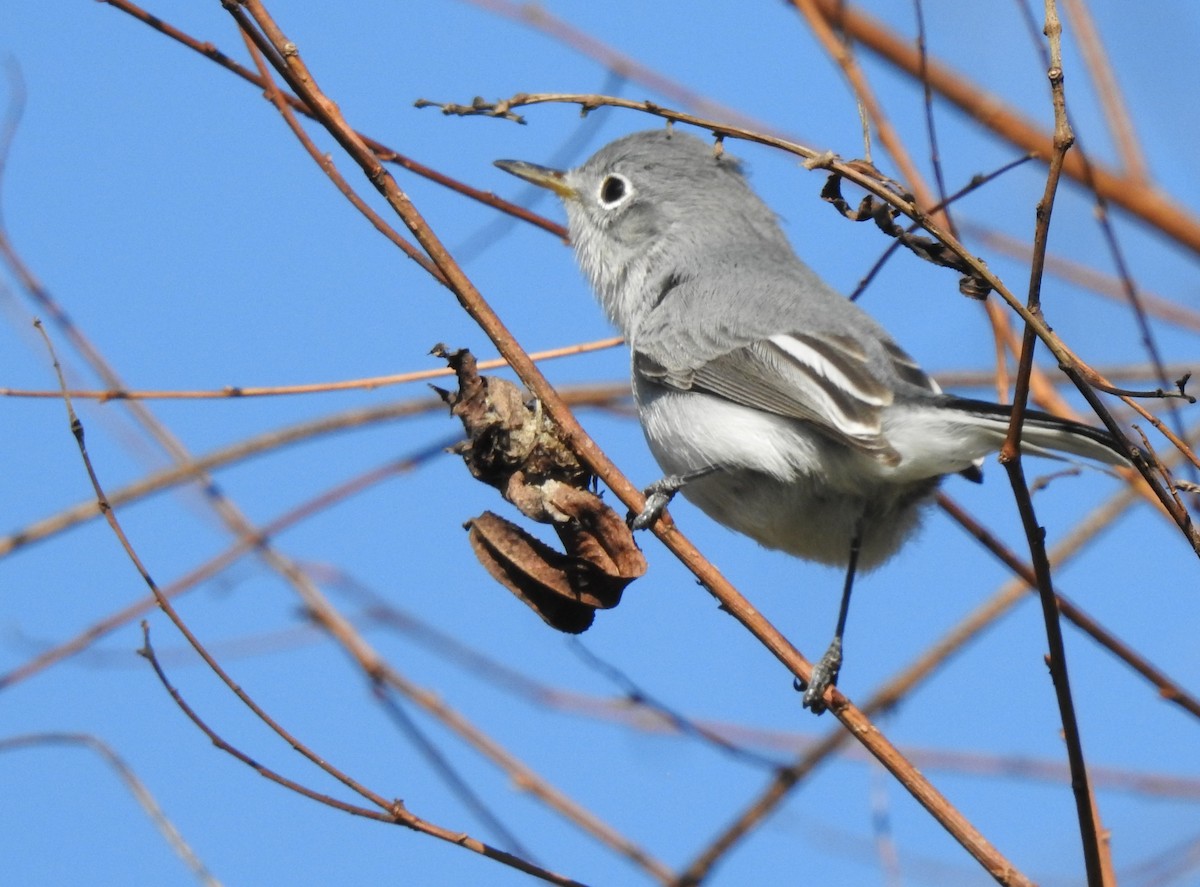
(613, 190)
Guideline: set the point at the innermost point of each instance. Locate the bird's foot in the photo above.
(658, 495)
(824, 676)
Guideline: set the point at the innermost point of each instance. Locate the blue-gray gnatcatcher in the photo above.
(772, 402)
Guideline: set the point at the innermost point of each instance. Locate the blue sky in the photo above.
(167, 208)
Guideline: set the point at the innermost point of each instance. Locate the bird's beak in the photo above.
(542, 176)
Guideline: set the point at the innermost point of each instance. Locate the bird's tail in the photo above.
(1046, 435)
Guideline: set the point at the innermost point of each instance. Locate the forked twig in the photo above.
(392, 811)
(1010, 457)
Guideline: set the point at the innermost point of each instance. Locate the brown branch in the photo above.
(1084, 276)
(368, 384)
(1147, 203)
(378, 671)
(213, 566)
(199, 467)
(394, 813)
(1010, 457)
(388, 155)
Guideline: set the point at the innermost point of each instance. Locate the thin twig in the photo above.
(840, 51)
(215, 565)
(391, 811)
(165, 605)
(601, 396)
(395, 813)
(367, 384)
(1128, 372)
(1010, 456)
(458, 786)
(637, 695)
(935, 155)
(1084, 276)
(386, 154)
(1147, 203)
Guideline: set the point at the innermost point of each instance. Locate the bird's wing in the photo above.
(825, 380)
(787, 344)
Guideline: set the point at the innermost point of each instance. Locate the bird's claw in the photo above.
(658, 496)
(824, 675)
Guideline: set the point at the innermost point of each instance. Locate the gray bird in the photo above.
(776, 405)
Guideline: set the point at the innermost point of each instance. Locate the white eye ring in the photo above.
(615, 189)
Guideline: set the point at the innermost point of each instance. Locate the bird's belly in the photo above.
(778, 482)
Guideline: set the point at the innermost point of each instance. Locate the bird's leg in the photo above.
(659, 493)
(825, 672)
